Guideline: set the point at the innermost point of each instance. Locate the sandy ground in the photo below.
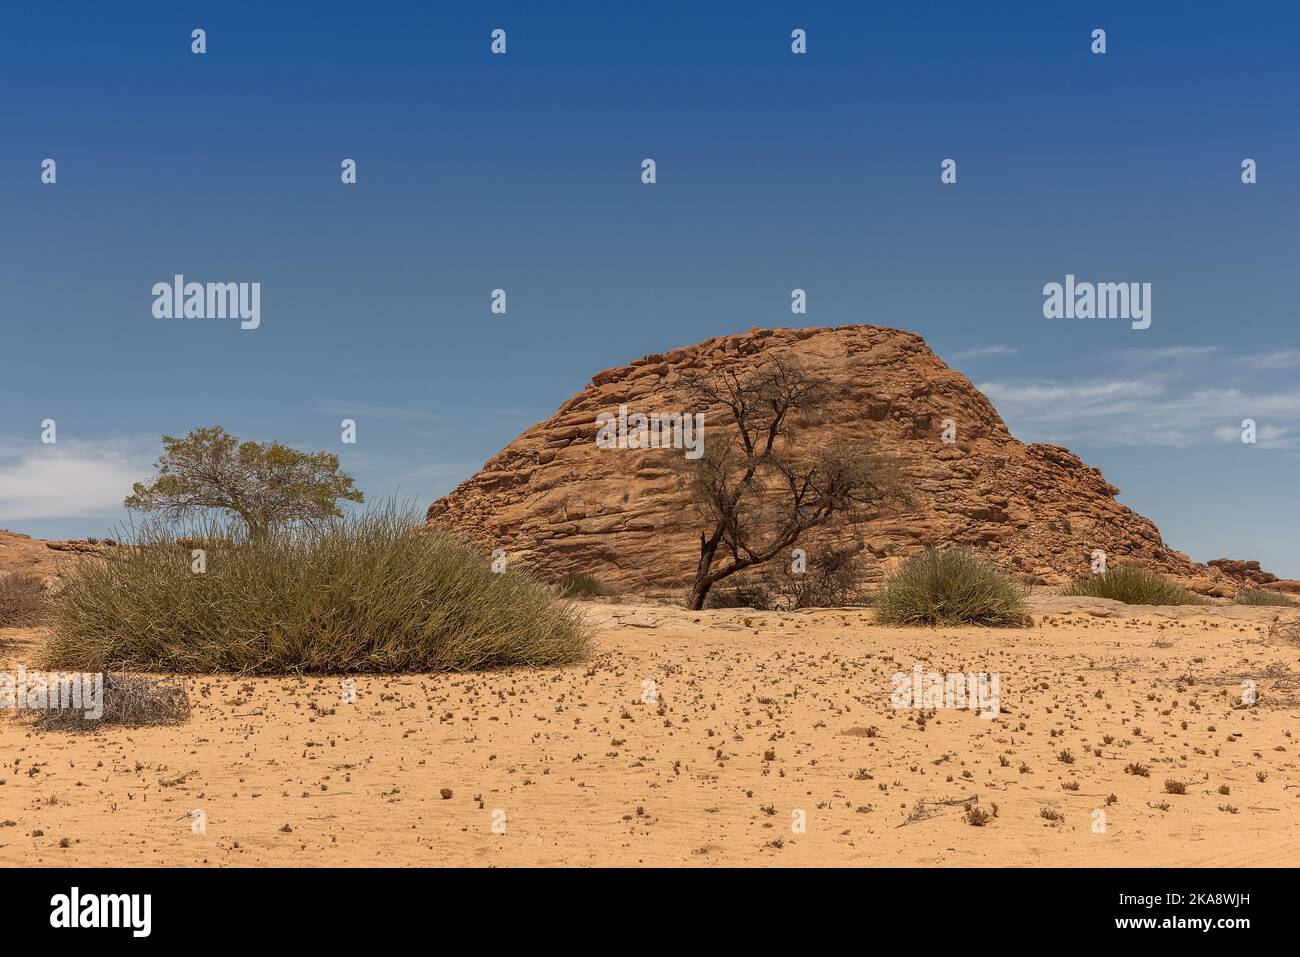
(758, 720)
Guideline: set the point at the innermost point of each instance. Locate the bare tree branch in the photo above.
(756, 480)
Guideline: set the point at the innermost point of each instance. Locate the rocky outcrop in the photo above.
(558, 503)
(1250, 575)
(46, 560)
(1246, 573)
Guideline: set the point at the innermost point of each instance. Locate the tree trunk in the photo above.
(700, 589)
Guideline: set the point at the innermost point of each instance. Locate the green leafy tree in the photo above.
(263, 484)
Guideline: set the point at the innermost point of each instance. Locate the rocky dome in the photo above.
(560, 504)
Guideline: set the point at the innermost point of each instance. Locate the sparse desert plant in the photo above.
(1262, 596)
(952, 587)
(132, 701)
(22, 600)
(580, 585)
(833, 578)
(753, 595)
(1138, 769)
(1175, 787)
(976, 816)
(1134, 585)
(373, 592)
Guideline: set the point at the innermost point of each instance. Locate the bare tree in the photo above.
(754, 491)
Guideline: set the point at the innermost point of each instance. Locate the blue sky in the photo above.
(522, 172)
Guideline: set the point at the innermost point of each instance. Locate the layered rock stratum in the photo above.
(559, 504)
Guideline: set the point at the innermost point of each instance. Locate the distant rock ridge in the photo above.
(557, 503)
(45, 560)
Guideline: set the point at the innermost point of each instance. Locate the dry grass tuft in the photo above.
(1134, 585)
(132, 701)
(952, 587)
(22, 600)
(1262, 596)
(580, 586)
(373, 593)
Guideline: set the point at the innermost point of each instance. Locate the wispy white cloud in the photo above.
(1170, 355)
(1266, 436)
(71, 478)
(1281, 359)
(984, 352)
(1173, 397)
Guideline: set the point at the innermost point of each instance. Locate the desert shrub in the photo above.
(373, 592)
(1262, 596)
(1134, 585)
(832, 579)
(22, 600)
(952, 587)
(751, 594)
(579, 585)
(132, 701)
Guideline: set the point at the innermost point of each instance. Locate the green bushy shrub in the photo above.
(1262, 596)
(373, 592)
(1134, 585)
(952, 587)
(581, 585)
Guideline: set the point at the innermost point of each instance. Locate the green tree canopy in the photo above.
(263, 484)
